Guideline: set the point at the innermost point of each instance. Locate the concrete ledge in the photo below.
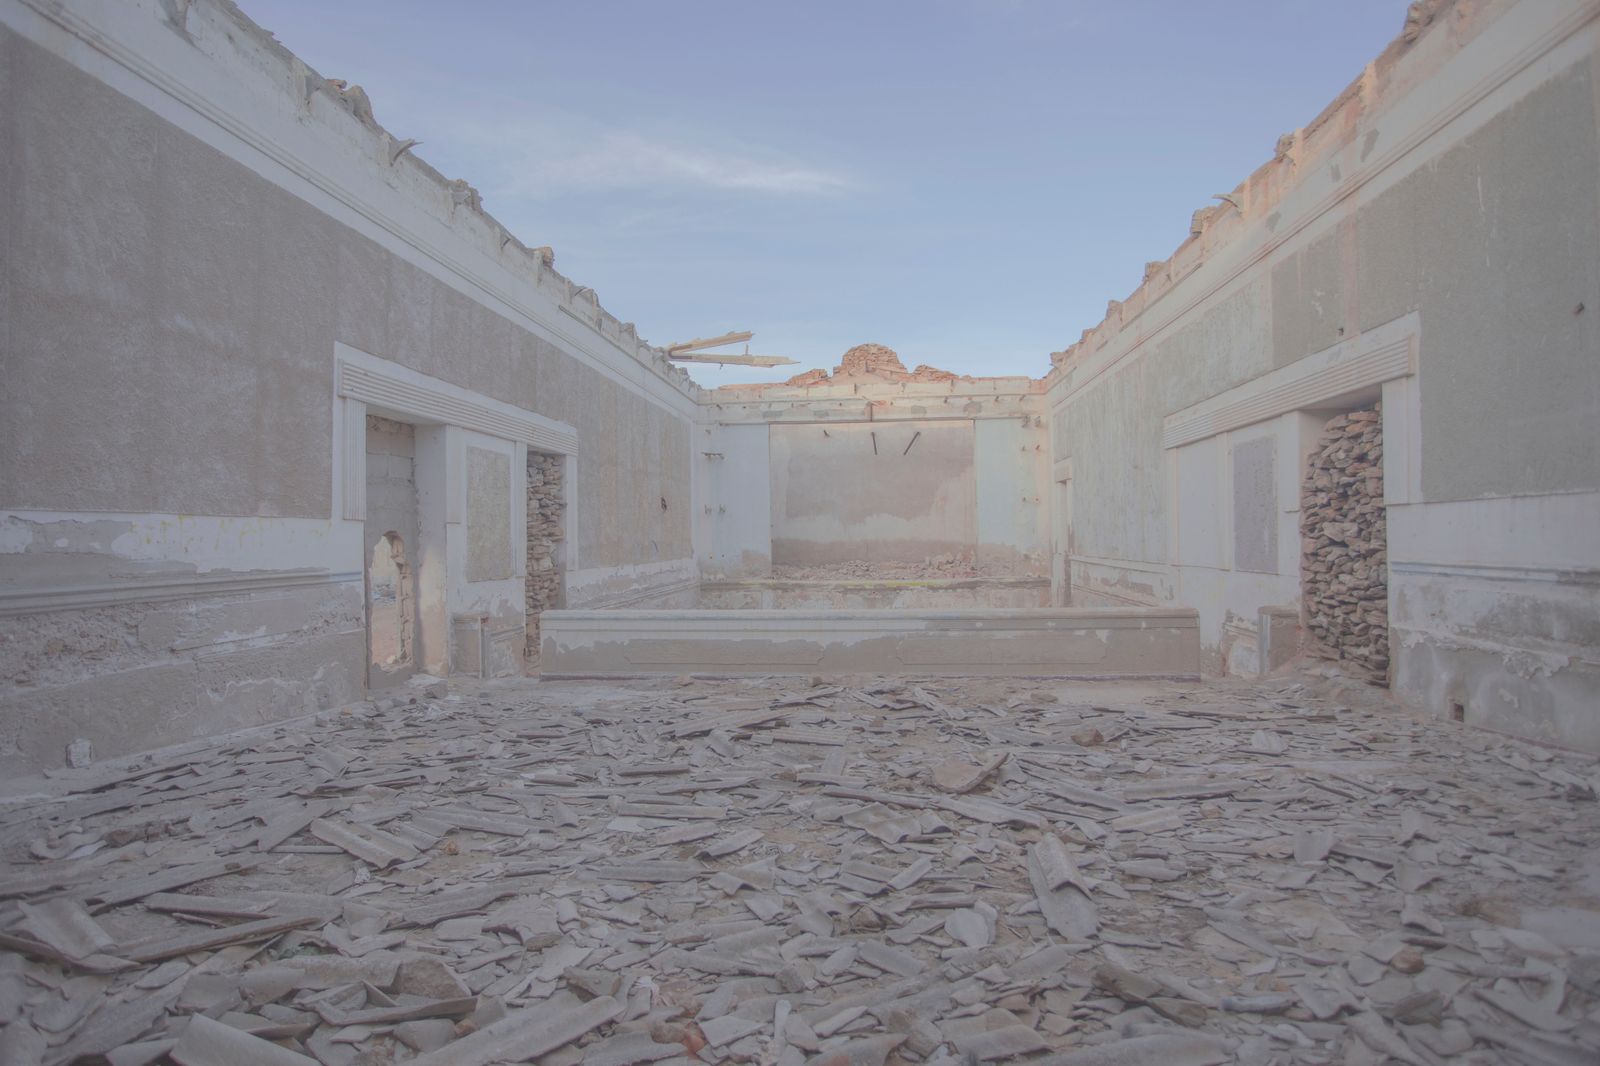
(921, 595)
(1039, 642)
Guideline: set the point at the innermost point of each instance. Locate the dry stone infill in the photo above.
(546, 530)
(860, 873)
(1344, 545)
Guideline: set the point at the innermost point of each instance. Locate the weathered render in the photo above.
(288, 417)
(217, 266)
(1431, 240)
(920, 477)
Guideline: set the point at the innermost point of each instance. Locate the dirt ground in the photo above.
(847, 873)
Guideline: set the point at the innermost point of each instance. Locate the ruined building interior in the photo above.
(401, 660)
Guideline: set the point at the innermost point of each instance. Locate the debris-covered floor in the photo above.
(762, 871)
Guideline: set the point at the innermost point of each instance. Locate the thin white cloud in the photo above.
(634, 161)
(556, 154)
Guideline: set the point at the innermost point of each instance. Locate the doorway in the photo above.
(391, 620)
(392, 542)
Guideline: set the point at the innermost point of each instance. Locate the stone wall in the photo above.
(1344, 544)
(546, 529)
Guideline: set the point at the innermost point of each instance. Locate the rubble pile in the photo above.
(546, 510)
(828, 874)
(868, 360)
(1344, 546)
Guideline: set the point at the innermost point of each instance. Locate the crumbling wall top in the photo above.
(867, 365)
(404, 190)
(1426, 40)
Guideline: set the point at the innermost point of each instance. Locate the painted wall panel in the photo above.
(1255, 504)
(901, 491)
(1013, 520)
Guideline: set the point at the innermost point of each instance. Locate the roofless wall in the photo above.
(1427, 251)
(237, 306)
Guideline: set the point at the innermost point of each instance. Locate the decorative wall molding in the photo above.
(1364, 362)
(433, 405)
(353, 461)
(166, 587)
(1554, 575)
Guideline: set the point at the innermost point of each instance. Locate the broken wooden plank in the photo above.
(286, 825)
(127, 889)
(659, 871)
(525, 1034)
(671, 811)
(156, 949)
(372, 846)
(208, 1043)
(65, 925)
(1184, 788)
(1067, 909)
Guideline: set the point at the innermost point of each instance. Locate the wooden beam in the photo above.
(735, 360)
(709, 342)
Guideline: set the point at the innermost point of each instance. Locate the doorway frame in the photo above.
(446, 416)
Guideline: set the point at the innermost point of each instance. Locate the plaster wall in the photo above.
(788, 474)
(1236, 510)
(896, 492)
(391, 480)
(1453, 191)
(1493, 608)
(487, 561)
(736, 522)
(195, 223)
(1010, 485)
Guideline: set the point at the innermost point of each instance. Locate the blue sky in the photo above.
(966, 181)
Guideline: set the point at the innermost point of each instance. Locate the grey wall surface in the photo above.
(391, 482)
(1494, 245)
(169, 323)
(1497, 244)
(488, 515)
(1455, 200)
(170, 320)
(1112, 431)
(1255, 505)
(901, 492)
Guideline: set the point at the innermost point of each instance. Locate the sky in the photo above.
(966, 181)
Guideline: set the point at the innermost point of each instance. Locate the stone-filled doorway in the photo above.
(1344, 562)
(546, 531)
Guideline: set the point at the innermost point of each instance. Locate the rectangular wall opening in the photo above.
(391, 541)
(1344, 564)
(547, 507)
